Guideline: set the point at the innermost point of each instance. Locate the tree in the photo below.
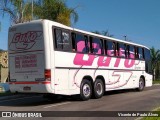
(105, 33)
(155, 58)
(26, 10)
(157, 70)
(18, 10)
(55, 10)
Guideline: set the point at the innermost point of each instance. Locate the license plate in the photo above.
(27, 88)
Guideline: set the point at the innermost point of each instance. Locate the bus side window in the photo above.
(131, 52)
(121, 50)
(96, 45)
(81, 42)
(141, 53)
(111, 48)
(127, 54)
(58, 39)
(136, 52)
(117, 49)
(62, 40)
(66, 40)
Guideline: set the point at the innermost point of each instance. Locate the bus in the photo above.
(50, 58)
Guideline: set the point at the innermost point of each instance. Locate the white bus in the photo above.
(50, 58)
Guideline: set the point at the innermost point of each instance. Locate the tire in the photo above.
(85, 90)
(98, 88)
(141, 84)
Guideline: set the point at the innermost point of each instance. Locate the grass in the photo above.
(156, 81)
(156, 111)
(5, 93)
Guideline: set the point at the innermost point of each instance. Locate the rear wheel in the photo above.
(141, 84)
(98, 88)
(85, 90)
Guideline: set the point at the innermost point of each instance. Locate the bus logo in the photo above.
(103, 61)
(25, 41)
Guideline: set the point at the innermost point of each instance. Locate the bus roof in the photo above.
(82, 31)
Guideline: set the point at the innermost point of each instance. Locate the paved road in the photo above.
(129, 100)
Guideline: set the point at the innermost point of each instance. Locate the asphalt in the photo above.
(11, 96)
(14, 96)
(128, 100)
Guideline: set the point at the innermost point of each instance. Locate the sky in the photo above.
(139, 20)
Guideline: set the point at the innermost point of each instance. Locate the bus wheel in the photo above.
(98, 88)
(141, 84)
(85, 90)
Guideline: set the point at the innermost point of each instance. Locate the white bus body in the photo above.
(39, 62)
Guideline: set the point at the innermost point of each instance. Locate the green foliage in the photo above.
(23, 10)
(156, 82)
(157, 111)
(155, 58)
(55, 10)
(155, 55)
(0, 56)
(8, 93)
(18, 10)
(151, 118)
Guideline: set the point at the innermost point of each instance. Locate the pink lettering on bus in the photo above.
(24, 41)
(79, 59)
(117, 62)
(102, 61)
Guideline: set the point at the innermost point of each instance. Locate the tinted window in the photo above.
(62, 39)
(65, 40)
(80, 43)
(141, 53)
(96, 45)
(127, 51)
(111, 48)
(121, 50)
(136, 52)
(117, 49)
(58, 40)
(131, 51)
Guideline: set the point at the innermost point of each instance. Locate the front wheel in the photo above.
(141, 84)
(85, 90)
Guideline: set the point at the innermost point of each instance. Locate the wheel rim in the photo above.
(141, 84)
(86, 90)
(99, 88)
